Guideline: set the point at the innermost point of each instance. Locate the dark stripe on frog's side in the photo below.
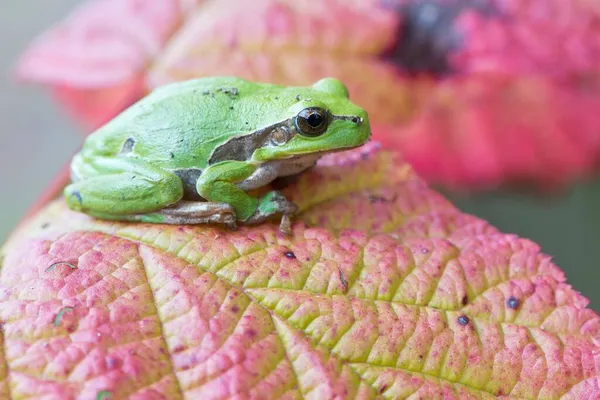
(189, 177)
(240, 148)
(127, 146)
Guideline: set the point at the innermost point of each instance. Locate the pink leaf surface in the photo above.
(384, 290)
(95, 58)
(101, 44)
(406, 61)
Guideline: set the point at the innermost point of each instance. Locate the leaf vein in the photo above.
(161, 327)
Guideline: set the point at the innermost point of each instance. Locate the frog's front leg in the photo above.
(129, 189)
(218, 184)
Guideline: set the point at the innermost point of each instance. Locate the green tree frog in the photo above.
(189, 152)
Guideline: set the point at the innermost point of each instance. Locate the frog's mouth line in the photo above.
(351, 118)
(322, 153)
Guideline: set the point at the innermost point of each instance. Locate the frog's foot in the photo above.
(274, 203)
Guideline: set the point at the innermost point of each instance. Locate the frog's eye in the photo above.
(312, 121)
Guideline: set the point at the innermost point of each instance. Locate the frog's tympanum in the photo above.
(189, 151)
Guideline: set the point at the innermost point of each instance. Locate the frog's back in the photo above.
(179, 124)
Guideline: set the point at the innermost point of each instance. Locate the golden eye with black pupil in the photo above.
(312, 121)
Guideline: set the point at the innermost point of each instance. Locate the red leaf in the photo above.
(384, 289)
(103, 43)
(515, 102)
(93, 108)
(484, 130)
(95, 58)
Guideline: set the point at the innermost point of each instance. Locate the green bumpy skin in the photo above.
(189, 151)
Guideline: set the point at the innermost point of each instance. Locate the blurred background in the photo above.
(38, 139)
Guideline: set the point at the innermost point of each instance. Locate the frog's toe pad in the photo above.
(281, 204)
(229, 220)
(271, 204)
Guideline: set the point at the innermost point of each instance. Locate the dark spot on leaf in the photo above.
(113, 362)
(344, 282)
(60, 313)
(463, 320)
(172, 155)
(205, 92)
(377, 199)
(235, 309)
(465, 300)
(51, 267)
(178, 349)
(251, 333)
(513, 302)
(186, 366)
(297, 97)
(45, 225)
(383, 388)
(231, 107)
(290, 255)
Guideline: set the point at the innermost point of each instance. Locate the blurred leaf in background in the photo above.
(36, 138)
(476, 94)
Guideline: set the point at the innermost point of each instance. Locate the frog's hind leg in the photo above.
(193, 213)
(128, 189)
(183, 213)
(120, 187)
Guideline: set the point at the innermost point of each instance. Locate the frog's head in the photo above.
(321, 119)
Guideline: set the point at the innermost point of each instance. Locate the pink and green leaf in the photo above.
(385, 290)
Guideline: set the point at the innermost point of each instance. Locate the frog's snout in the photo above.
(364, 127)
